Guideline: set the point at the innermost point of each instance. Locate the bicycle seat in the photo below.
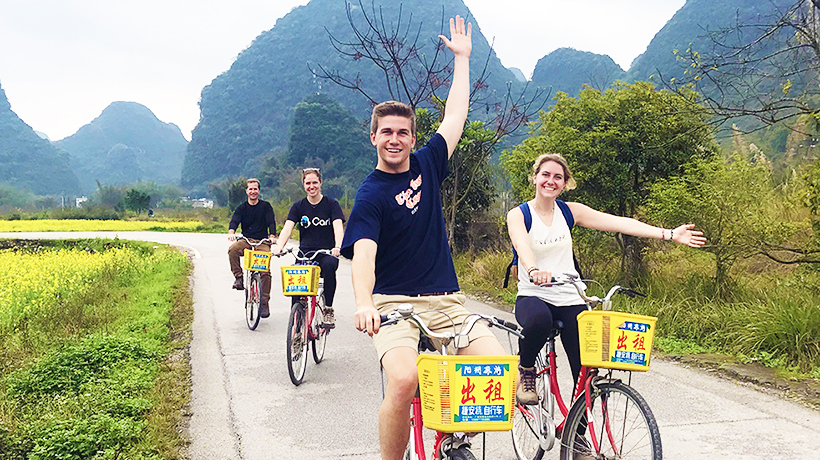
(557, 327)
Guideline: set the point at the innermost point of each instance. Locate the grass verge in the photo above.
(96, 368)
(772, 318)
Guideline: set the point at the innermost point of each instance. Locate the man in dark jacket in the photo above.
(258, 222)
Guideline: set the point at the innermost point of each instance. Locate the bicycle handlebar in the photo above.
(591, 301)
(254, 245)
(405, 312)
(302, 256)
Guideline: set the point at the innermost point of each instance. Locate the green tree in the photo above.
(229, 192)
(736, 205)
(323, 128)
(325, 134)
(14, 197)
(137, 200)
(470, 187)
(618, 143)
(812, 179)
(109, 196)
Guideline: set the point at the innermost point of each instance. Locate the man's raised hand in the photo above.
(460, 41)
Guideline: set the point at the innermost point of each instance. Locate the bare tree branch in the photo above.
(767, 70)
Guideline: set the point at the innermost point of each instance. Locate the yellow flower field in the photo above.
(30, 282)
(80, 225)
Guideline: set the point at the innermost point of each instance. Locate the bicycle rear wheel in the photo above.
(320, 340)
(297, 343)
(623, 426)
(252, 300)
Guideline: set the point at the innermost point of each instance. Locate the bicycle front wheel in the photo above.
(621, 422)
(297, 343)
(320, 338)
(462, 453)
(252, 300)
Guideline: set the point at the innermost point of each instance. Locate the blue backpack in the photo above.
(525, 209)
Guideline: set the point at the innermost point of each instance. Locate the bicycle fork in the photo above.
(416, 439)
(598, 439)
(444, 442)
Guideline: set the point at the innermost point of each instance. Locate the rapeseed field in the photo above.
(85, 327)
(88, 225)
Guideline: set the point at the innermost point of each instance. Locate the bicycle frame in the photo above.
(305, 326)
(582, 387)
(311, 306)
(551, 370)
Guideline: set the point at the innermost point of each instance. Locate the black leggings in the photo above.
(537, 317)
(328, 264)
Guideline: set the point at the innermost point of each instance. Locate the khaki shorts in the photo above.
(449, 311)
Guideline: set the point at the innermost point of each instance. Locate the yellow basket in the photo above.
(300, 280)
(467, 393)
(616, 340)
(258, 261)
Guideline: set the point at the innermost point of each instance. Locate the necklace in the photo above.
(544, 213)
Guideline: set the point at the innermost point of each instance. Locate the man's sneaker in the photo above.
(264, 310)
(330, 319)
(526, 386)
(238, 284)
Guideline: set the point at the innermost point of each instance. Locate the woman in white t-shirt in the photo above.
(547, 249)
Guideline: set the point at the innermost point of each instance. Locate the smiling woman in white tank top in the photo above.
(546, 250)
(551, 246)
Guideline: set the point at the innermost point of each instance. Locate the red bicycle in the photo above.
(253, 279)
(447, 445)
(607, 420)
(305, 324)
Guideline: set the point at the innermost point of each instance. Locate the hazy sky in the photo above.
(62, 62)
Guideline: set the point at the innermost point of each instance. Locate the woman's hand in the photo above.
(539, 276)
(335, 252)
(685, 235)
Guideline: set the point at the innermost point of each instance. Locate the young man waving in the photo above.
(398, 242)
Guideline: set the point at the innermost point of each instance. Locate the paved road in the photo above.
(244, 406)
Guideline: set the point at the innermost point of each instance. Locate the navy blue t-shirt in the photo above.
(316, 222)
(402, 214)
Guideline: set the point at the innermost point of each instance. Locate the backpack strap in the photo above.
(571, 223)
(567, 213)
(525, 209)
